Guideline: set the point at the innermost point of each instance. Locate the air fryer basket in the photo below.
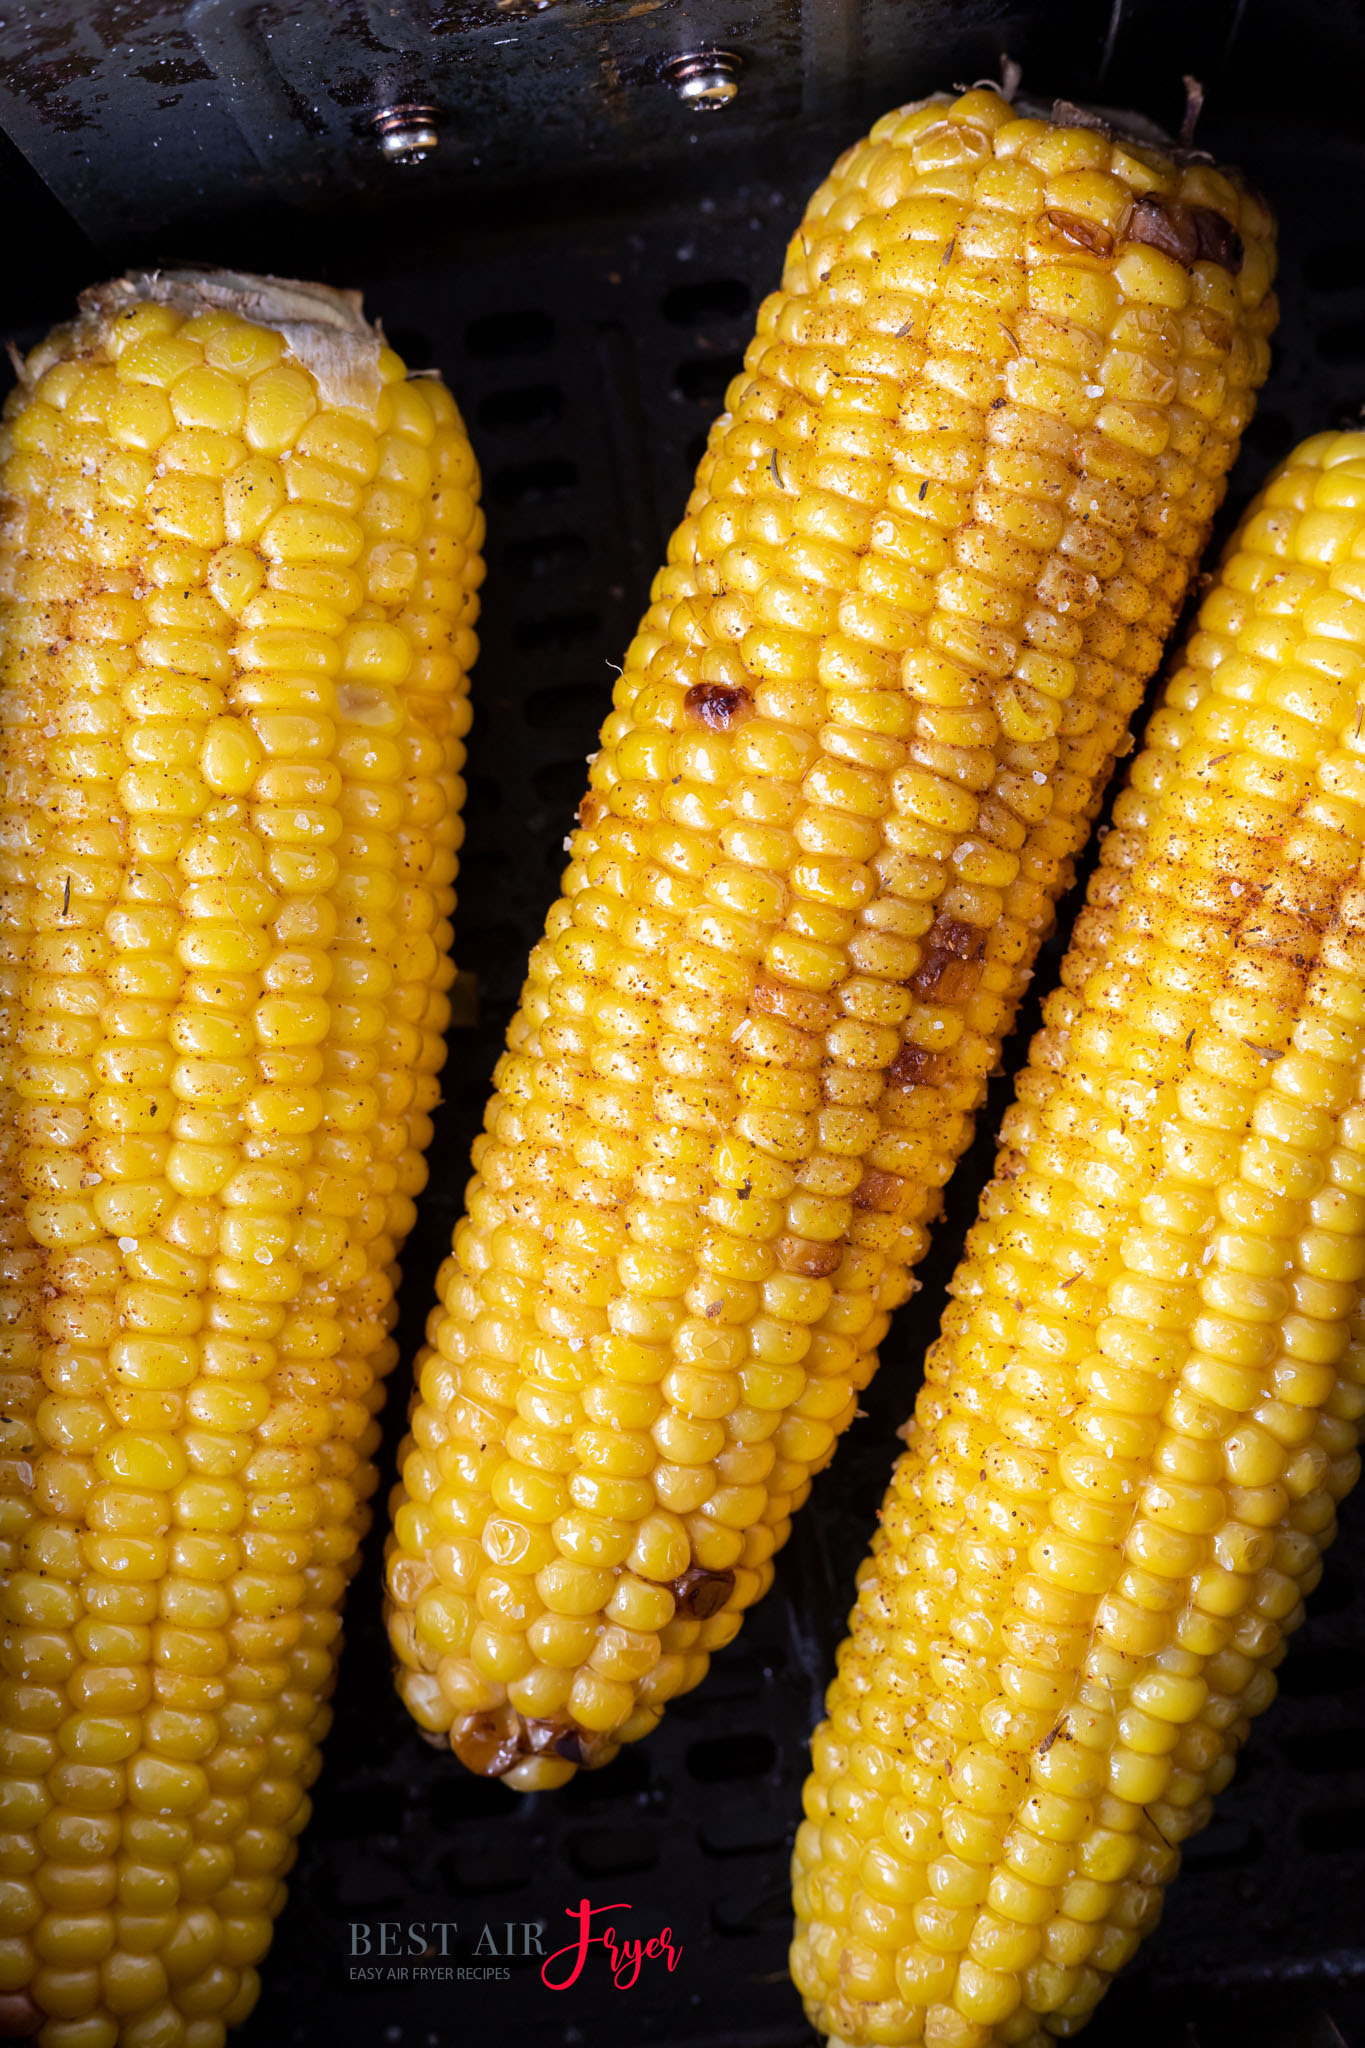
(589, 311)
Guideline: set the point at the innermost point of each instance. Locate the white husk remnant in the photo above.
(326, 330)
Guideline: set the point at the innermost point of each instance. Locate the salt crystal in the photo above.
(127, 1244)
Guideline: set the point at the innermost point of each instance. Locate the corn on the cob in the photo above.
(237, 577)
(1143, 1407)
(932, 551)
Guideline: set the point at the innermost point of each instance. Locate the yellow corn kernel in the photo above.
(1180, 1363)
(934, 547)
(230, 838)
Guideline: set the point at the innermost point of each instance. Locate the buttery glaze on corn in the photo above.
(926, 571)
(237, 619)
(1144, 1405)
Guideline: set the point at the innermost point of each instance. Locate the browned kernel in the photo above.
(800, 1006)
(719, 705)
(1192, 234)
(491, 1742)
(1166, 225)
(915, 1066)
(488, 1743)
(1080, 232)
(1218, 240)
(537, 1736)
(590, 809)
(948, 970)
(878, 1190)
(807, 1256)
(700, 1593)
(20, 2018)
(946, 979)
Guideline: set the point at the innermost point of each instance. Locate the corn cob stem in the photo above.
(925, 573)
(1143, 1408)
(239, 566)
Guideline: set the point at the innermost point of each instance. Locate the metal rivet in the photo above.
(407, 133)
(706, 79)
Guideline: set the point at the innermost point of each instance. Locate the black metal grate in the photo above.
(589, 357)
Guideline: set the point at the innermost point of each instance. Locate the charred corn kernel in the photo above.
(228, 839)
(926, 570)
(1143, 1408)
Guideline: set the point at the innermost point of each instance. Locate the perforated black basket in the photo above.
(588, 300)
